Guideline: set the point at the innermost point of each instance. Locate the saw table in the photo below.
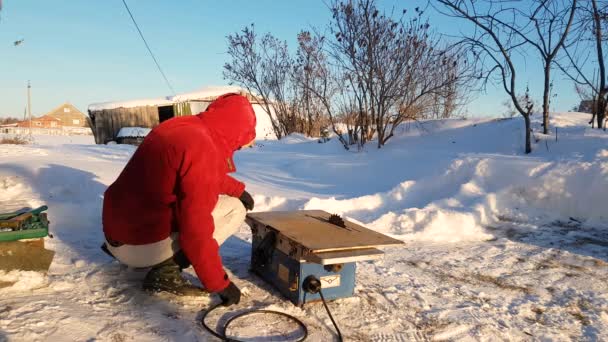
(290, 246)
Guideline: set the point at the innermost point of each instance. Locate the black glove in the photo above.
(230, 295)
(247, 200)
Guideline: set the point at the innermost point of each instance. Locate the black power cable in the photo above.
(311, 285)
(222, 334)
(330, 316)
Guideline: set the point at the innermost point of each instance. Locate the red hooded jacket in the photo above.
(172, 183)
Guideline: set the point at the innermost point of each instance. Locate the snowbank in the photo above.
(455, 186)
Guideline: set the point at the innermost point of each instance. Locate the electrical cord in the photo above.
(310, 285)
(222, 334)
(330, 316)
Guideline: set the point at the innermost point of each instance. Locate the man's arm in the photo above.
(196, 201)
(231, 187)
(234, 188)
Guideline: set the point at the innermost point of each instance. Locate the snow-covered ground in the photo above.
(499, 245)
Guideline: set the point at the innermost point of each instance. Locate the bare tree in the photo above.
(279, 66)
(321, 84)
(264, 68)
(8, 120)
(372, 73)
(551, 21)
(389, 66)
(308, 73)
(588, 41)
(445, 102)
(493, 42)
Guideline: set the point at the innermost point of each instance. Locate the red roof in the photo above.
(43, 119)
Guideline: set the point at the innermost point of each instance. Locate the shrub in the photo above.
(16, 140)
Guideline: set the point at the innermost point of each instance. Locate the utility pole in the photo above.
(29, 106)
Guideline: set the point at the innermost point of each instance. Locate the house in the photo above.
(8, 128)
(62, 120)
(45, 121)
(108, 118)
(69, 115)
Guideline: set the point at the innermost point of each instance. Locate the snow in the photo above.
(133, 132)
(499, 245)
(161, 101)
(207, 93)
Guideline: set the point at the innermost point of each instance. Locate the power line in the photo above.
(148, 47)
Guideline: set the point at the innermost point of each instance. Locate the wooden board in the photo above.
(17, 255)
(311, 229)
(340, 257)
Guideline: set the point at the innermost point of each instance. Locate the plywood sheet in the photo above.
(17, 255)
(311, 229)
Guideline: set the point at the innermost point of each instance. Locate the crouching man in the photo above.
(174, 203)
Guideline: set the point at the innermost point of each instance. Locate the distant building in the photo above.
(69, 116)
(8, 128)
(62, 120)
(107, 119)
(45, 121)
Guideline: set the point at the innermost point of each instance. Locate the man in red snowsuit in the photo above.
(174, 202)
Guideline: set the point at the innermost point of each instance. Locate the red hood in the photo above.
(232, 120)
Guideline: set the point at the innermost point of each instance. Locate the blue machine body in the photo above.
(287, 275)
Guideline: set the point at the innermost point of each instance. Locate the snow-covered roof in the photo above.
(206, 93)
(133, 132)
(130, 103)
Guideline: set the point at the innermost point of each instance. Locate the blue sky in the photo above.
(89, 51)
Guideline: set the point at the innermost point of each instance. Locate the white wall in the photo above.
(263, 129)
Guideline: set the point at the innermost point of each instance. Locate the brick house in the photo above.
(42, 122)
(69, 116)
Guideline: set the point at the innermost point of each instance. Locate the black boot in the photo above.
(167, 277)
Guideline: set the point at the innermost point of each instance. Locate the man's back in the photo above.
(138, 206)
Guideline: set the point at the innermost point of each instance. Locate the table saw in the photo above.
(290, 246)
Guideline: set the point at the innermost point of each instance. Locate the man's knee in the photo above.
(228, 216)
(238, 209)
(229, 210)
